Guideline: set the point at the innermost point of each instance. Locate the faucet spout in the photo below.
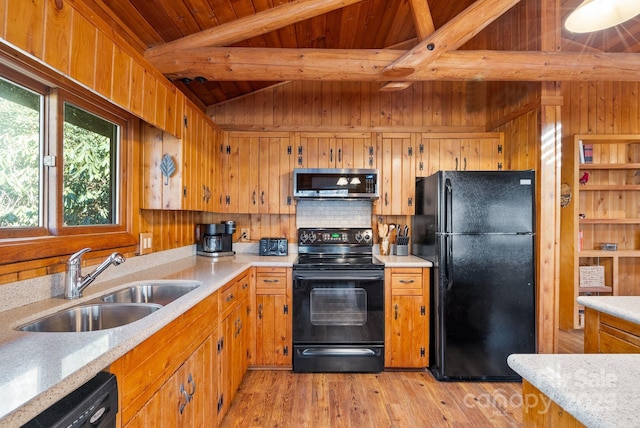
(75, 283)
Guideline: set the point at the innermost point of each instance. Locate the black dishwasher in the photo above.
(94, 405)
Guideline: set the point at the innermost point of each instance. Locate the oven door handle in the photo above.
(350, 276)
(331, 352)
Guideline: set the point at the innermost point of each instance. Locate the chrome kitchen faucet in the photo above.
(75, 282)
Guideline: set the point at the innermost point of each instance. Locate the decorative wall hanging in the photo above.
(168, 167)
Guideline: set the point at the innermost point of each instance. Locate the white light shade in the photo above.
(594, 15)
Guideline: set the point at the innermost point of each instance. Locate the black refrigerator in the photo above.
(477, 228)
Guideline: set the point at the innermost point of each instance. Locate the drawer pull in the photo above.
(271, 280)
(407, 281)
(245, 285)
(229, 298)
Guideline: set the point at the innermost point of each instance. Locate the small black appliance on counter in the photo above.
(215, 239)
(274, 247)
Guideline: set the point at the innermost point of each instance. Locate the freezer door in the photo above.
(486, 305)
(487, 201)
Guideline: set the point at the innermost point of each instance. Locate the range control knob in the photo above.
(358, 236)
(303, 236)
(312, 236)
(366, 235)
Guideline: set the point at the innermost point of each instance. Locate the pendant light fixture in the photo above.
(595, 15)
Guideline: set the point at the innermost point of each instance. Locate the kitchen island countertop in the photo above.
(624, 307)
(599, 390)
(37, 369)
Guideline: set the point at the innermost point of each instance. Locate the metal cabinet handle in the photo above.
(253, 197)
(465, 164)
(396, 312)
(339, 155)
(229, 298)
(262, 198)
(386, 198)
(183, 393)
(260, 311)
(271, 280)
(193, 386)
(331, 155)
(406, 281)
(456, 164)
(244, 286)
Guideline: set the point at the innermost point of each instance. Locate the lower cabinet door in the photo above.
(184, 400)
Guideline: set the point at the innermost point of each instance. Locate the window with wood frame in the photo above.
(63, 160)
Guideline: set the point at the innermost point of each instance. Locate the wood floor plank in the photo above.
(397, 399)
(268, 399)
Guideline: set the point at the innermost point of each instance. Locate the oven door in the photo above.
(338, 320)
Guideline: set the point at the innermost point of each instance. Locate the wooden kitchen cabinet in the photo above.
(233, 346)
(272, 318)
(194, 163)
(607, 334)
(257, 173)
(335, 150)
(603, 209)
(459, 152)
(397, 174)
(148, 374)
(185, 398)
(406, 317)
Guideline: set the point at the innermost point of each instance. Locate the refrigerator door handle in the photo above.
(448, 206)
(448, 265)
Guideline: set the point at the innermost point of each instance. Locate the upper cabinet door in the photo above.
(257, 173)
(459, 152)
(335, 150)
(397, 171)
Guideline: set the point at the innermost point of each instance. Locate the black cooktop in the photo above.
(337, 261)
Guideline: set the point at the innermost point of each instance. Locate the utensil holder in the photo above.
(402, 250)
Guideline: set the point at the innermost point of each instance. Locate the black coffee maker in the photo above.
(215, 239)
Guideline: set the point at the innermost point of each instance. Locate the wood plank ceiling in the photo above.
(216, 50)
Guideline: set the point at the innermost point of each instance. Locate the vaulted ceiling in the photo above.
(215, 50)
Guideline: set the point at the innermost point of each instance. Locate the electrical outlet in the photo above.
(146, 244)
(244, 234)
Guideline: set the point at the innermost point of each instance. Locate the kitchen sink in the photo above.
(161, 293)
(92, 317)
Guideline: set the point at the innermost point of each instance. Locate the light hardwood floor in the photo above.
(269, 399)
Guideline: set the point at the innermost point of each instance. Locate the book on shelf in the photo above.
(588, 153)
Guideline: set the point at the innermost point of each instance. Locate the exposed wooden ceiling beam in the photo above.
(450, 36)
(423, 23)
(247, 27)
(422, 19)
(264, 64)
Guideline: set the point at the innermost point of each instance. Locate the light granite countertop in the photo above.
(624, 307)
(37, 369)
(599, 390)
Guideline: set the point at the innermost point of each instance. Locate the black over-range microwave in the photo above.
(335, 183)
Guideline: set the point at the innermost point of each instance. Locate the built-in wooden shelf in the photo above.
(584, 166)
(603, 253)
(610, 221)
(603, 289)
(595, 187)
(612, 190)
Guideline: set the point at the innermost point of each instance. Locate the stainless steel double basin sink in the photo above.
(115, 309)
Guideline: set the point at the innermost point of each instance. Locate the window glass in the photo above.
(20, 142)
(90, 149)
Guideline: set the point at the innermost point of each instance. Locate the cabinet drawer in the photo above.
(271, 280)
(233, 294)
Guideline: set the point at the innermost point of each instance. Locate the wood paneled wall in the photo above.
(339, 106)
